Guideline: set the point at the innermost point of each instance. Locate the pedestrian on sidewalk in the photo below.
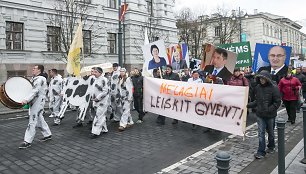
(267, 101)
(289, 87)
(302, 79)
(36, 100)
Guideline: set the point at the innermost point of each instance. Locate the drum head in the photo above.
(17, 88)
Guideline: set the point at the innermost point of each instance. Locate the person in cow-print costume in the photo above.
(36, 100)
(115, 105)
(100, 97)
(55, 87)
(125, 87)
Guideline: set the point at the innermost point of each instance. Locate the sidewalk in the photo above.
(293, 163)
(242, 153)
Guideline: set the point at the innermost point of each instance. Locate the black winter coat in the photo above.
(302, 79)
(172, 76)
(267, 97)
(138, 85)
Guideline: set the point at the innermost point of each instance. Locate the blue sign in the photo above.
(261, 55)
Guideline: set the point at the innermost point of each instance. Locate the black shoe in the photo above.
(194, 127)
(45, 138)
(24, 145)
(292, 122)
(258, 156)
(111, 116)
(94, 136)
(55, 124)
(270, 151)
(175, 122)
(78, 125)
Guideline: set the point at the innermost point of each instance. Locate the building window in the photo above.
(86, 1)
(16, 73)
(218, 30)
(87, 41)
(14, 36)
(53, 38)
(112, 3)
(111, 43)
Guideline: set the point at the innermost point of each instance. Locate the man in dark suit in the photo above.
(178, 63)
(218, 68)
(277, 68)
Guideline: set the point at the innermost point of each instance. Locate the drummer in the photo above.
(36, 100)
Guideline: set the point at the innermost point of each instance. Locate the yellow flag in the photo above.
(74, 62)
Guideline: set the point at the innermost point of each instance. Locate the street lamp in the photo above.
(239, 16)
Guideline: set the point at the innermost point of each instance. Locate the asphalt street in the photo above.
(144, 148)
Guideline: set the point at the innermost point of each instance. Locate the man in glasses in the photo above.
(277, 68)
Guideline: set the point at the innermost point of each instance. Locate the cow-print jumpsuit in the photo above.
(55, 98)
(100, 100)
(37, 100)
(125, 88)
(115, 104)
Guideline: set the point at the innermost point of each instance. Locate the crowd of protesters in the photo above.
(115, 94)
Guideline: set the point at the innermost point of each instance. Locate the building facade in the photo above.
(30, 34)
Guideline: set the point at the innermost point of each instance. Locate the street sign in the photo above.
(243, 50)
(243, 37)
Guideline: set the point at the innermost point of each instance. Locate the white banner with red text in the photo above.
(219, 107)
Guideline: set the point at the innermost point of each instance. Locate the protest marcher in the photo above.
(195, 77)
(169, 75)
(100, 100)
(289, 87)
(267, 101)
(115, 105)
(302, 79)
(186, 75)
(137, 80)
(125, 87)
(91, 111)
(55, 87)
(238, 79)
(36, 100)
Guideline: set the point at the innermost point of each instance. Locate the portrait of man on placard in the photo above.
(218, 62)
(178, 63)
(272, 58)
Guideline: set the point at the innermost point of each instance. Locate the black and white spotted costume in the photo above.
(125, 89)
(114, 95)
(100, 104)
(37, 100)
(55, 98)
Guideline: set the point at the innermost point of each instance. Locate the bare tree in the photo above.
(66, 18)
(183, 21)
(226, 25)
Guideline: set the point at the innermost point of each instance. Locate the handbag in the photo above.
(300, 98)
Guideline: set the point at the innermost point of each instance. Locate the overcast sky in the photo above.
(292, 9)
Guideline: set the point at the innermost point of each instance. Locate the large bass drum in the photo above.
(13, 91)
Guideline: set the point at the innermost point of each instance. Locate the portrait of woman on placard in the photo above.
(156, 60)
